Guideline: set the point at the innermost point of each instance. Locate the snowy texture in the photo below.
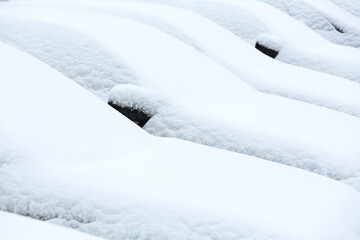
(331, 25)
(19, 228)
(288, 81)
(74, 54)
(134, 97)
(116, 181)
(353, 6)
(302, 46)
(208, 104)
(67, 157)
(89, 66)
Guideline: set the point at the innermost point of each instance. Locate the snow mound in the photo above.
(83, 165)
(74, 54)
(353, 6)
(297, 83)
(19, 228)
(332, 26)
(208, 104)
(303, 47)
(288, 81)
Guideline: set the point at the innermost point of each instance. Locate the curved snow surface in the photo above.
(74, 54)
(225, 48)
(67, 157)
(15, 227)
(332, 23)
(353, 6)
(207, 104)
(298, 44)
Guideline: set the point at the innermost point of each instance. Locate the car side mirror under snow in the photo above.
(133, 102)
(136, 115)
(265, 50)
(268, 44)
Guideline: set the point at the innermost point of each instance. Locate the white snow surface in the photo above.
(301, 46)
(72, 53)
(286, 80)
(210, 105)
(335, 25)
(134, 97)
(68, 158)
(352, 6)
(14, 227)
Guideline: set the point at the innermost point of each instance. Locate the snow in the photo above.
(19, 228)
(292, 82)
(327, 24)
(227, 113)
(74, 54)
(89, 69)
(337, 13)
(134, 97)
(302, 47)
(308, 49)
(353, 6)
(68, 158)
(295, 83)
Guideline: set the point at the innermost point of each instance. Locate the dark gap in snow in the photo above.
(340, 30)
(44, 218)
(36, 216)
(137, 116)
(265, 50)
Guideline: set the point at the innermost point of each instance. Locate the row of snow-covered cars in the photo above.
(282, 131)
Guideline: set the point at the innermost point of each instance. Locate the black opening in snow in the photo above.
(337, 28)
(265, 50)
(135, 115)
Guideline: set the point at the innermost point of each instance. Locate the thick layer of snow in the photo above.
(72, 53)
(20, 228)
(67, 157)
(300, 45)
(334, 25)
(336, 13)
(209, 105)
(134, 97)
(353, 6)
(286, 80)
